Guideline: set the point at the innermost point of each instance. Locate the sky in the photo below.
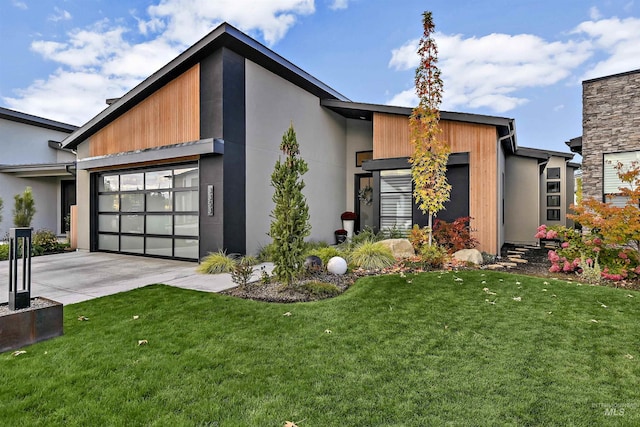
(522, 59)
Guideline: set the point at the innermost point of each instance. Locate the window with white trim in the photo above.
(611, 182)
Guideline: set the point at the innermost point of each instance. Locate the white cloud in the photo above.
(617, 41)
(20, 4)
(338, 4)
(488, 71)
(101, 61)
(594, 13)
(59, 15)
(187, 20)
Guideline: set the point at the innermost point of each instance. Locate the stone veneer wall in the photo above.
(610, 124)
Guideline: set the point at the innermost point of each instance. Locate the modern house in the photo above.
(610, 132)
(180, 165)
(32, 157)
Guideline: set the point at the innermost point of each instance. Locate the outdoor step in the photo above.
(514, 253)
(508, 264)
(521, 250)
(494, 266)
(532, 247)
(551, 246)
(518, 260)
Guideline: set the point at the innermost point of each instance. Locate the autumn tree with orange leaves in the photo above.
(430, 151)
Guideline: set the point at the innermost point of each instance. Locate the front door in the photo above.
(364, 201)
(68, 189)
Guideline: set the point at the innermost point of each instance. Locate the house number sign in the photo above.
(210, 200)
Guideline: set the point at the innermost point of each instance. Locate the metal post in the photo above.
(19, 247)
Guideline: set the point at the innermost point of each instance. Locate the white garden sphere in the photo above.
(337, 265)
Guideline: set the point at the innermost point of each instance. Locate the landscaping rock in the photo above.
(469, 255)
(313, 262)
(400, 248)
(494, 267)
(337, 265)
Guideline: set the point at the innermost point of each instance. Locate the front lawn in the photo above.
(432, 349)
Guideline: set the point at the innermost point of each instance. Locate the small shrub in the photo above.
(265, 253)
(418, 237)
(45, 241)
(242, 271)
(265, 278)
(371, 255)
(434, 256)
(313, 244)
(320, 289)
(454, 236)
(250, 260)
(393, 233)
(217, 262)
(4, 252)
(325, 254)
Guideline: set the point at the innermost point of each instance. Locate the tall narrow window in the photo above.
(395, 199)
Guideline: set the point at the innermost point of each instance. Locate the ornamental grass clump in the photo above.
(217, 262)
(371, 256)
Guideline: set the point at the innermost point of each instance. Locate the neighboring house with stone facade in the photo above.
(610, 132)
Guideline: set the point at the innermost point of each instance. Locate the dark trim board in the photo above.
(403, 162)
(234, 135)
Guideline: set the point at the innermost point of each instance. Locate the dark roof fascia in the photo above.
(626, 73)
(403, 162)
(575, 145)
(29, 119)
(224, 35)
(574, 165)
(358, 110)
(541, 154)
(339, 105)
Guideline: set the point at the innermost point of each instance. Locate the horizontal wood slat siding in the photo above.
(391, 140)
(170, 115)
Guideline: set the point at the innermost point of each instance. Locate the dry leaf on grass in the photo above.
(83, 318)
(18, 353)
(628, 356)
(136, 317)
(143, 342)
(327, 331)
(517, 299)
(288, 313)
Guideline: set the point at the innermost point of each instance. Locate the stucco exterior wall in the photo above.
(272, 104)
(522, 200)
(24, 144)
(555, 162)
(359, 138)
(610, 124)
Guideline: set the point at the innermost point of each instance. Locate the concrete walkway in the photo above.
(79, 276)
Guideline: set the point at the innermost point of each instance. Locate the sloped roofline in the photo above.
(29, 119)
(225, 35)
(541, 153)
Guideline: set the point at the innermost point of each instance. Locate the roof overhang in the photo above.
(540, 154)
(201, 147)
(17, 116)
(39, 170)
(575, 145)
(362, 111)
(222, 36)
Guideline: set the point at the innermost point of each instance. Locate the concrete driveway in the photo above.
(78, 276)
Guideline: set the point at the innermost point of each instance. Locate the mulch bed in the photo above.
(537, 265)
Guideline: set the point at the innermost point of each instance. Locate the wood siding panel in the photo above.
(391, 140)
(170, 115)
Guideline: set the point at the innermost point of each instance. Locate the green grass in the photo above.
(429, 352)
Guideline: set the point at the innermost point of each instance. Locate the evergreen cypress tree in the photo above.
(24, 209)
(290, 223)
